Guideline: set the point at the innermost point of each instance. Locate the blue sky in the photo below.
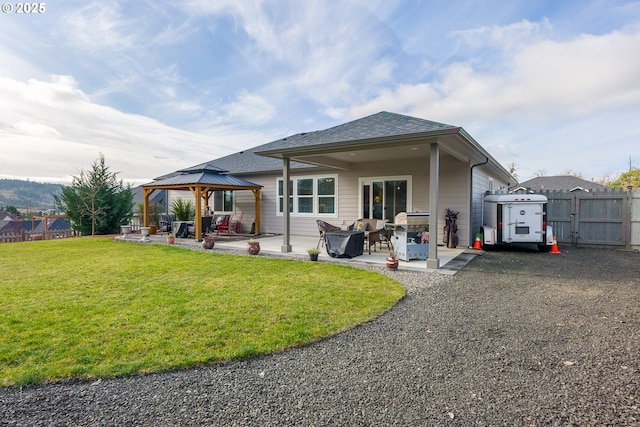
(155, 86)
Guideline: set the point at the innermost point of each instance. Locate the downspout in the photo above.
(472, 234)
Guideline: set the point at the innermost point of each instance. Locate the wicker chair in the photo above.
(324, 227)
(373, 234)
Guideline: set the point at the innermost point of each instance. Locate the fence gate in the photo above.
(591, 219)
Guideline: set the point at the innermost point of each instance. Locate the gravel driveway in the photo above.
(516, 338)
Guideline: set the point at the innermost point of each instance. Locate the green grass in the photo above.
(97, 308)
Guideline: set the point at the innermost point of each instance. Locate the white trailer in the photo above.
(516, 218)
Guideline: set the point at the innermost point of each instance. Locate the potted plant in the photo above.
(253, 247)
(313, 253)
(183, 210)
(392, 261)
(126, 230)
(171, 239)
(154, 213)
(208, 242)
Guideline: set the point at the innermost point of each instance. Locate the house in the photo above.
(7, 216)
(557, 183)
(373, 167)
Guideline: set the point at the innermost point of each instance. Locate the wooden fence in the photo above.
(25, 236)
(597, 218)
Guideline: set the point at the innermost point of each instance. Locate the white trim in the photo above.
(315, 196)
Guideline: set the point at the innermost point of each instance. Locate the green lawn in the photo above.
(97, 308)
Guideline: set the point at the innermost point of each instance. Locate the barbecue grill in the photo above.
(410, 235)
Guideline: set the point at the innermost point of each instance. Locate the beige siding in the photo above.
(454, 188)
(454, 194)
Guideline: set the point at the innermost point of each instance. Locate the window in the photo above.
(223, 201)
(309, 195)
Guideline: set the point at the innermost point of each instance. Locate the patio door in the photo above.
(383, 198)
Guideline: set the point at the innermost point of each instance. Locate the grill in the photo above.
(410, 235)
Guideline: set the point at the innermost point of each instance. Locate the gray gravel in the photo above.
(516, 338)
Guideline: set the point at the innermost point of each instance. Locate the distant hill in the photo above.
(34, 196)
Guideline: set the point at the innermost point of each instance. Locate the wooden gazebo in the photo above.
(201, 180)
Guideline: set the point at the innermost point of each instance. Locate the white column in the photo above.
(434, 184)
(286, 216)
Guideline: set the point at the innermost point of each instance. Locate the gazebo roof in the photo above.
(203, 174)
(201, 180)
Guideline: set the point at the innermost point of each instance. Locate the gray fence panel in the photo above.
(600, 220)
(635, 221)
(590, 219)
(559, 217)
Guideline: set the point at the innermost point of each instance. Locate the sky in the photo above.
(552, 87)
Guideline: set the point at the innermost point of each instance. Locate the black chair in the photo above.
(324, 227)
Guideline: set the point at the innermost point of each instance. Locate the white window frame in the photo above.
(315, 196)
(233, 201)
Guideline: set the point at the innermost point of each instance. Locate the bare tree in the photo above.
(512, 170)
(570, 172)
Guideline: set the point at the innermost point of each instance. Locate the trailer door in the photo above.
(522, 223)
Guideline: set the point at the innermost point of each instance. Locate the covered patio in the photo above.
(452, 259)
(201, 180)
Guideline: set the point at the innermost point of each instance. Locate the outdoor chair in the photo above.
(374, 232)
(222, 224)
(217, 221)
(231, 225)
(324, 227)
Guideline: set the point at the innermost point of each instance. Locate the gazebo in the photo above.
(201, 180)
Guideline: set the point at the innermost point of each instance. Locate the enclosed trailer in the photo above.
(516, 218)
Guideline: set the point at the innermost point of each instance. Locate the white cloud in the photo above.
(59, 129)
(228, 74)
(249, 108)
(545, 80)
(324, 49)
(99, 26)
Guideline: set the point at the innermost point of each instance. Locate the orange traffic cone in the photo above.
(477, 245)
(554, 247)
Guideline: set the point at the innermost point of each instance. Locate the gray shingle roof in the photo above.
(249, 162)
(559, 183)
(380, 125)
(377, 126)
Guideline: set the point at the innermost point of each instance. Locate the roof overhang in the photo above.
(343, 154)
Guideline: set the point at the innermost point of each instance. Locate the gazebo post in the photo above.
(198, 218)
(145, 206)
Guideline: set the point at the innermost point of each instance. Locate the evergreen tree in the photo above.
(96, 202)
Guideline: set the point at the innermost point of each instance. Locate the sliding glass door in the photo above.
(383, 198)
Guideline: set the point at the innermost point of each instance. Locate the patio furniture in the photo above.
(217, 221)
(324, 227)
(165, 222)
(344, 243)
(374, 232)
(181, 228)
(231, 224)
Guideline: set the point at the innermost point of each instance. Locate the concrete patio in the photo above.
(451, 259)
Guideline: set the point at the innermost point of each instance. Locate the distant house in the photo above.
(7, 216)
(557, 183)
